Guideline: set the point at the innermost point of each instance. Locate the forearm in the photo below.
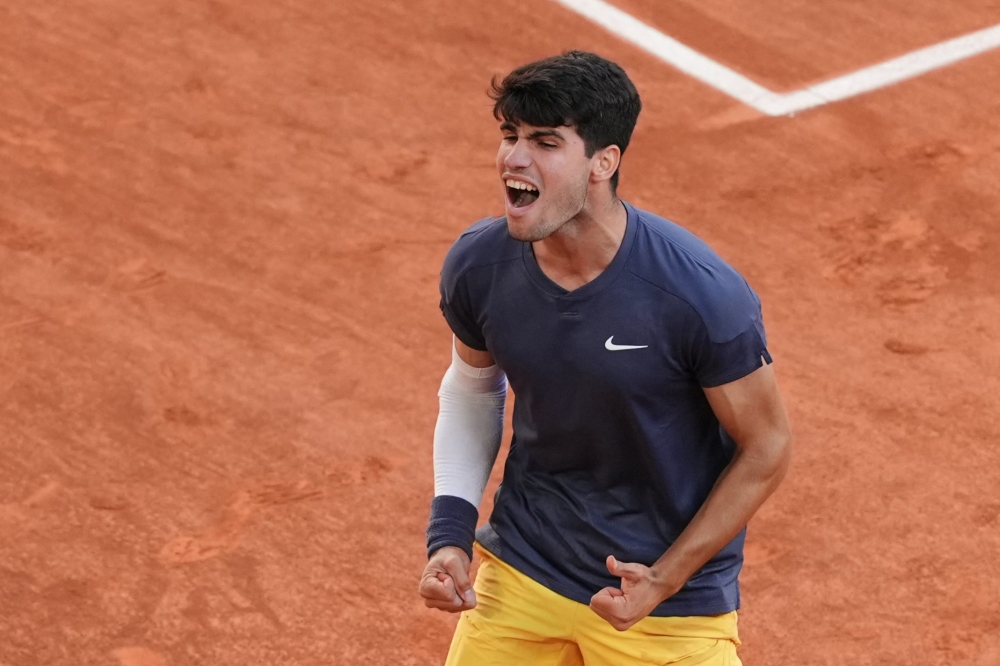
(468, 430)
(466, 441)
(744, 485)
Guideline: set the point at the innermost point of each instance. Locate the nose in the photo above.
(518, 156)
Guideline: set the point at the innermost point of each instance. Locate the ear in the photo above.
(604, 163)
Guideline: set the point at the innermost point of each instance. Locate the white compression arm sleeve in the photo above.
(469, 428)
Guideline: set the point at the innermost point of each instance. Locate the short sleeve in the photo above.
(458, 313)
(732, 349)
(456, 304)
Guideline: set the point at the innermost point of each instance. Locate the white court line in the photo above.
(766, 101)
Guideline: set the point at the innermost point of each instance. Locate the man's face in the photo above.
(545, 174)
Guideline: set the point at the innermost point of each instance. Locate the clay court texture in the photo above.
(221, 226)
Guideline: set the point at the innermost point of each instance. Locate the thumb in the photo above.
(459, 573)
(626, 570)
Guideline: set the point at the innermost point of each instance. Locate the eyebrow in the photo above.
(537, 134)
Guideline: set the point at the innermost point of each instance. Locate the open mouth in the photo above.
(520, 194)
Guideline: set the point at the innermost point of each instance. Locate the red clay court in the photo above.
(221, 226)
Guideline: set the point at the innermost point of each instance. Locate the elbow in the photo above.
(770, 456)
(782, 455)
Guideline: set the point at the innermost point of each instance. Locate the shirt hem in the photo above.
(666, 609)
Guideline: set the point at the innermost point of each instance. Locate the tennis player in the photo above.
(648, 427)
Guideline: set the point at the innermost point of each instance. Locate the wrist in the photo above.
(445, 552)
(666, 582)
(452, 524)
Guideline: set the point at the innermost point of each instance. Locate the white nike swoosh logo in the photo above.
(610, 346)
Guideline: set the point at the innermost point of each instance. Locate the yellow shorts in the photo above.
(518, 622)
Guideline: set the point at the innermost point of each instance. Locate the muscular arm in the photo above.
(751, 411)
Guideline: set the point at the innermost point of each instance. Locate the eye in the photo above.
(510, 138)
(547, 144)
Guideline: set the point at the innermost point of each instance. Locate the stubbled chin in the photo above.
(524, 228)
(516, 226)
(520, 219)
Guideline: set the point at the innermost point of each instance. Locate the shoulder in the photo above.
(485, 243)
(672, 258)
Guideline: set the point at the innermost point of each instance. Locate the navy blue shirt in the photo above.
(615, 446)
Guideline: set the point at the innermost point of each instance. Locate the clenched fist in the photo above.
(445, 584)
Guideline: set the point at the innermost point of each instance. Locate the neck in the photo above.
(582, 248)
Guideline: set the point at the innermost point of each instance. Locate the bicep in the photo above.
(474, 357)
(751, 410)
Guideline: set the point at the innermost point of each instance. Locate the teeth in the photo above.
(518, 185)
